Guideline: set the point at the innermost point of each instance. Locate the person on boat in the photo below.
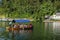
(13, 21)
(10, 26)
(18, 26)
(25, 26)
(15, 26)
(21, 26)
(10, 23)
(30, 26)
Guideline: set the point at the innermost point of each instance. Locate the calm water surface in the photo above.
(41, 31)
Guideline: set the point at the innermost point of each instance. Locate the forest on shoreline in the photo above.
(33, 9)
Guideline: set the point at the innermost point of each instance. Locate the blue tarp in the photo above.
(21, 21)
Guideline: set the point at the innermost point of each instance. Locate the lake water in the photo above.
(41, 31)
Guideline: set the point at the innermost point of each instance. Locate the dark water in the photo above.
(41, 31)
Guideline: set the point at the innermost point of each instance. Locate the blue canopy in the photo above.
(21, 21)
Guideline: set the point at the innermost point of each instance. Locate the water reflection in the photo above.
(56, 26)
(13, 35)
(20, 35)
(52, 29)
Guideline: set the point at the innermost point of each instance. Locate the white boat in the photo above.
(55, 17)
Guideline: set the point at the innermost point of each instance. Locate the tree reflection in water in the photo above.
(20, 35)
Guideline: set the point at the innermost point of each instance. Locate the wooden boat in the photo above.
(12, 29)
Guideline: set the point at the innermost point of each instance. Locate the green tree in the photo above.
(36, 9)
(46, 8)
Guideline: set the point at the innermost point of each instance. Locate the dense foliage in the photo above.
(36, 9)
